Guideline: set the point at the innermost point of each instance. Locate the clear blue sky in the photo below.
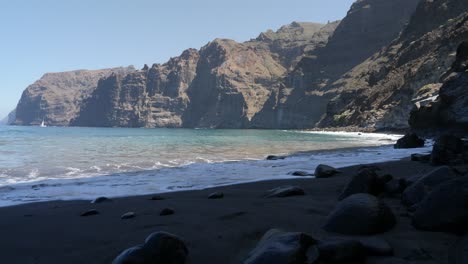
(60, 35)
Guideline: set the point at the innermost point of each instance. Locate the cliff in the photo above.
(302, 98)
(380, 92)
(56, 98)
(449, 111)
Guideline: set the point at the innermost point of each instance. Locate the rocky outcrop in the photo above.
(380, 92)
(8, 120)
(302, 98)
(150, 97)
(449, 112)
(57, 97)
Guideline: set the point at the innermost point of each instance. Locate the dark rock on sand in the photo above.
(417, 191)
(216, 195)
(157, 198)
(445, 208)
(90, 212)
(159, 247)
(448, 150)
(325, 171)
(285, 191)
(279, 247)
(273, 157)
(360, 214)
(101, 200)
(365, 181)
(128, 215)
(341, 251)
(459, 253)
(166, 211)
(410, 140)
(421, 157)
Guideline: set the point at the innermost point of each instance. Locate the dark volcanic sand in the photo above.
(216, 231)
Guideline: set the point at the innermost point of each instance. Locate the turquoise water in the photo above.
(86, 162)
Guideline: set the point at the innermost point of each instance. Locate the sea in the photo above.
(66, 163)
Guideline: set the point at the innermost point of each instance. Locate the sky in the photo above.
(43, 36)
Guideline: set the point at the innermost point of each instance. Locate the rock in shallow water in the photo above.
(445, 208)
(159, 247)
(273, 157)
(285, 191)
(301, 173)
(424, 185)
(409, 141)
(325, 171)
(101, 200)
(360, 214)
(279, 247)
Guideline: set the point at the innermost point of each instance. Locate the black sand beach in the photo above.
(215, 230)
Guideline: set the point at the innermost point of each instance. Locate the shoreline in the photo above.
(256, 171)
(214, 230)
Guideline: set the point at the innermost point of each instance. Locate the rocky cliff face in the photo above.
(9, 119)
(449, 112)
(56, 98)
(380, 92)
(223, 85)
(301, 100)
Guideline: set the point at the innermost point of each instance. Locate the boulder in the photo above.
(424, 185)
(285, 191)
(90, 212)
(128, 215)
(445, 208)
(365, 181)
(279, 247)
(341, 251)
(159, 247)
(166, 211)
(325, 171)
(447, 150)
(216, 195)
(410, 140)
(101, 200)
(360, 214)
(376, 246)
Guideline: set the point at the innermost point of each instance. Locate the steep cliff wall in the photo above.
(301, 100)
(56, 98)
(380, 92)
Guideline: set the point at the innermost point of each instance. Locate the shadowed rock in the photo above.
(159, 247)
(395, 186)
(448, 150)
(417, 191)
(90, 212)
(360, 214)
(166, 211)
(216, 195)
(365, 181)
(445, 208)
(325, 171)
(278, 247)
(301, 173)
(459, 253)
(409, 141)
(285, 191)
(273, 157)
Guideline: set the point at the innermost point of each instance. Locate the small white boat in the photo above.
(43, 123)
